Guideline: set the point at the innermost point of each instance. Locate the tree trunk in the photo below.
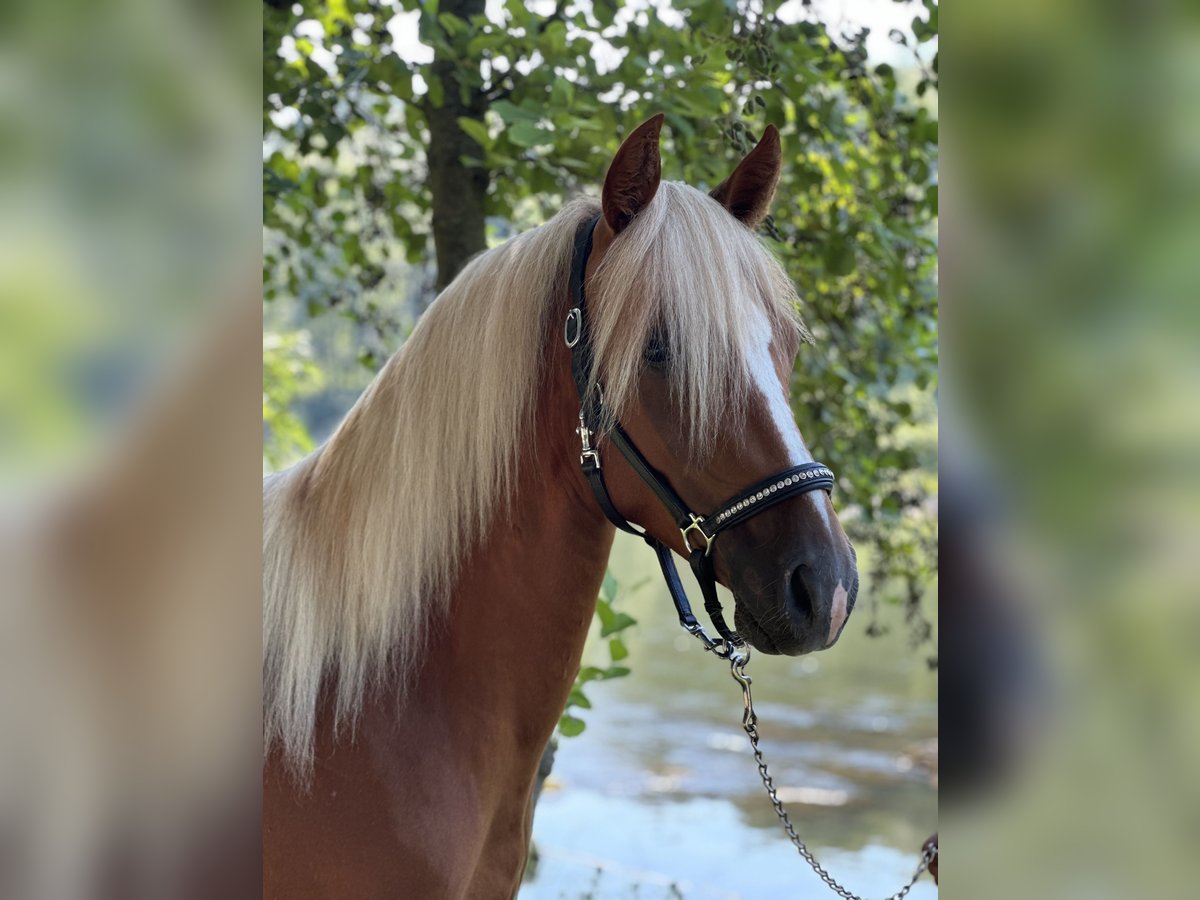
(458, 191)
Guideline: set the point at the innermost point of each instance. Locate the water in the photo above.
(660, 797)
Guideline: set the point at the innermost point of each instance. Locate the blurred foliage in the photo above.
(124, 219)
(346, 127)
(1074, 286)
(42, 335)
(289, 372)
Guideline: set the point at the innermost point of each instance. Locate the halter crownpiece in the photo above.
(699, 532)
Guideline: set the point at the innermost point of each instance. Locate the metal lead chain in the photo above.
(738, 658)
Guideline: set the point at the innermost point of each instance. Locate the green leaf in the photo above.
(605, 12)
(604, 612)
(526, 134)
(590, 673)
(578, 698)
(336, 13)
(617, 650)
(569, 726)
(839, 258)
(511, 113)
(619, 622)
(561, 95)
(519, 11)
(608, 589)
(452, 24)
(615, 672)
(553, 39)
(477, 130)
(478, 44)
(437, 93)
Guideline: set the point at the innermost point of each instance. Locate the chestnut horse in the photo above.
(431, 572)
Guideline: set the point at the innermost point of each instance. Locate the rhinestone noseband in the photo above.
(764, 494)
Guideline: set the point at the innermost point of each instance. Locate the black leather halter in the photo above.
(699, 532)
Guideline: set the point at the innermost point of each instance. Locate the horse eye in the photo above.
(657, 354)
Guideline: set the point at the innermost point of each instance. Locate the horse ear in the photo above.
(633, 176)
(748, 192)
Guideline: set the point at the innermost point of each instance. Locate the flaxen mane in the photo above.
(435, 440)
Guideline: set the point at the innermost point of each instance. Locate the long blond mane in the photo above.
(362, 540)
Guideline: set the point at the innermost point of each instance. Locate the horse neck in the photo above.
(520, 611)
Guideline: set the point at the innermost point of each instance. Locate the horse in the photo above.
(430, 572)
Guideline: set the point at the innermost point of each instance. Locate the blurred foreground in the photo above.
(1071, 451)
(129, 451)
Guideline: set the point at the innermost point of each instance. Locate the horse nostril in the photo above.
(801, 598)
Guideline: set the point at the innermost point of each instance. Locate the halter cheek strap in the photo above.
(699, 532)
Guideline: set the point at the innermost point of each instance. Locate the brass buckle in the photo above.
(695, 526)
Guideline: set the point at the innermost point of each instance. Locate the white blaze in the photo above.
(766, 378)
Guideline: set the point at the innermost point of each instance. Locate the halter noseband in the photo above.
(699, 532)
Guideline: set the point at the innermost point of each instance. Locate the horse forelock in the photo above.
(688, 270)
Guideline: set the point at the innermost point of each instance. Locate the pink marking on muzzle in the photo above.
(837, 613)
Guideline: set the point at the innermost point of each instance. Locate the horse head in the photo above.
(696, 334)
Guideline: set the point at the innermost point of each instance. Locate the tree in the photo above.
(367, 155)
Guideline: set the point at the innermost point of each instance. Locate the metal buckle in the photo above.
(585, 441)
(695, 526)
(577, 317)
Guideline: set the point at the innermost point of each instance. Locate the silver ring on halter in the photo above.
(739, 656)
(574, 316)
